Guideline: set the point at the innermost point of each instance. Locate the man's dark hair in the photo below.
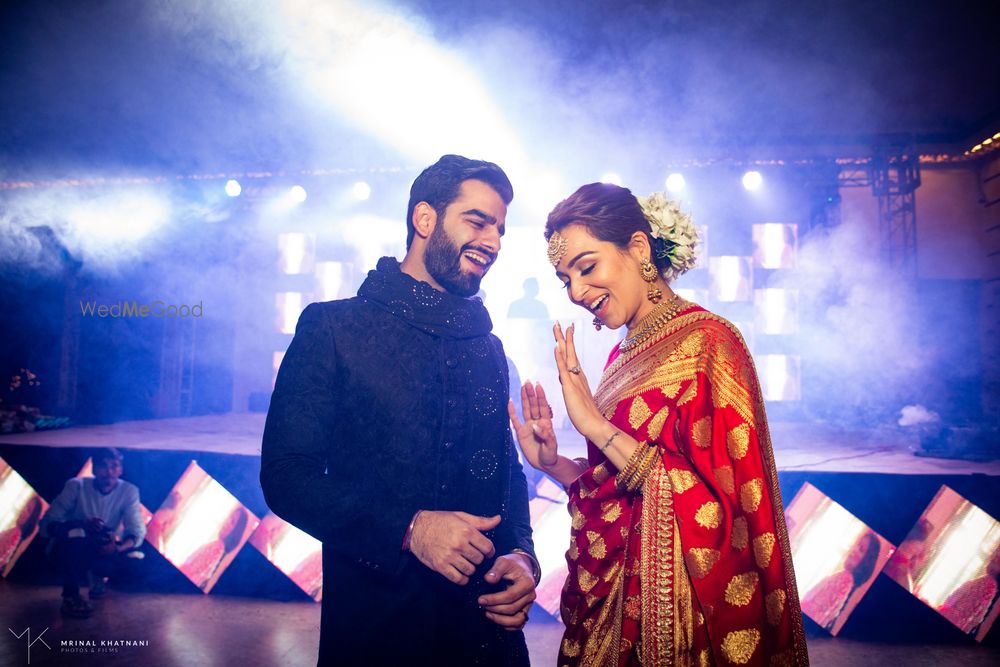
(439, 183)
(106, 454)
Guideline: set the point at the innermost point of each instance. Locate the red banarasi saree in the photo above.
(682, 557)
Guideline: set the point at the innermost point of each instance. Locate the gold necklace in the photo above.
(651, 323)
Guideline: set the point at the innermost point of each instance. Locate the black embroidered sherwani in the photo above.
(388, 403)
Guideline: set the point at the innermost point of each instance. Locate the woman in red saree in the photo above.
(678, 553)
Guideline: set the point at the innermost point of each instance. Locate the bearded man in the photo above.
(387, 439)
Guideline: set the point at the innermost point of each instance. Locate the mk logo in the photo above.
(31, 642)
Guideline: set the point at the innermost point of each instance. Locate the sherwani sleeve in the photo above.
(299, 473)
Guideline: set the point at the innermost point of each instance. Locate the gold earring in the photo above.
(649, 273)
(598, 323)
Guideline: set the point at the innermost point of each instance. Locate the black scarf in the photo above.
(438, 313)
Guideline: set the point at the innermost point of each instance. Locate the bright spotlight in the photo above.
(361, 191)
(611, 178)
(233, 188)
(119, 217)
(752, 180)
(675, 182)
(297, 194)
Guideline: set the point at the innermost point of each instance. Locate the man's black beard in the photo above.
(444, 263)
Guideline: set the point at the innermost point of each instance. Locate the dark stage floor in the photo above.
(187, 630)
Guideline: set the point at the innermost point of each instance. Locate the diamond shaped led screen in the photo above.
(297, 554)
(200, 527)
(950, 560)
(21, 508)
(836, 557)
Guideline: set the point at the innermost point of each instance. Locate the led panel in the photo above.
(200, 527)
(950, 560)
(775, 245)
(836, 557)
(776, 311)
(731, 278)
(296, 253)
(550, 522)
(288, 307)
(333, 281)
(779, 377)
(298, 555)
(21, 509)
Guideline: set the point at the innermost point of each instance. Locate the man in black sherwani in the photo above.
(387, 439)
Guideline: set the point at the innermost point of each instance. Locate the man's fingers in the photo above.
(462, 564)
(509, 622)
(513, 607)
(452, 574)
(482, 545)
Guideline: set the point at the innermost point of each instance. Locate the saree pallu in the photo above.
(682, 557)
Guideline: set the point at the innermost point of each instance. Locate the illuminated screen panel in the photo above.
(333, 281)
(276, 359)
(200, 527)
(775, 245)
(731, 278)
(701, 250)
(836, 557)
(950, 560)
(780, 378)
(776, 311)
(550, 522)
(298, 555)
(21, 509)
(288, 307)
(88, 471)
(296, 253)
(698, 296)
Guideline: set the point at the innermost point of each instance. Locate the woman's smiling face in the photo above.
(603, 278)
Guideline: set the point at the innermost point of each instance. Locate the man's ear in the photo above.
(424, 219)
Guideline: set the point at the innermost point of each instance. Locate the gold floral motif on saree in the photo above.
(701, 432)
(741, 534)
(681, 480)
(700, 561)
(724, 476)
(738, 441)
(750, 495)
(610, 511)
(709, 515)
(586, 579)
(689, 394)
(739, 645)
(655, 427)
(597, 548)
(638, 413)
(775, 604)
(740, 589)
(763, 547)
(578, 521)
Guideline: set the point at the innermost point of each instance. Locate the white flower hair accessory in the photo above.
(674, 235)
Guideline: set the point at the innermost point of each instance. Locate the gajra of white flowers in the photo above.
(674, 234)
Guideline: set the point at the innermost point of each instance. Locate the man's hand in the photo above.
(509, 608)
(94, 525)
(452, 543)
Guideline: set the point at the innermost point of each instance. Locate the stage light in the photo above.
(836, 556)
(296, 253)
(117, 217)
(297, 194)
(233, 188)
(200, 527)
(298, 555)
(731, 278)
(21, 510)
(361, 191)
(752, 180)
(949, 561)
(551, 523)
(676, 182)
(612, 178)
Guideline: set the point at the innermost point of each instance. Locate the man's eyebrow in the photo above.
(479, 214)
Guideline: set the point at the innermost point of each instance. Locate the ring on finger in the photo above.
(575, 370)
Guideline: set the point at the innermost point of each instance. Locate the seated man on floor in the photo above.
(92, 523)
